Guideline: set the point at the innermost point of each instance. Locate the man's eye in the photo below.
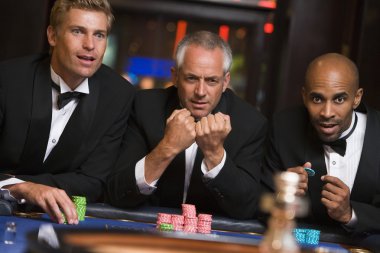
(76, 31)
(339, 100)
(100, 35)
(191, 79)
(316, 100)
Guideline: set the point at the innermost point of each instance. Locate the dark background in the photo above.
(274, 64)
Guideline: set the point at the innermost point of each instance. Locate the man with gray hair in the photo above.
(195, 142)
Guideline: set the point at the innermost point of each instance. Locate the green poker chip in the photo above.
(79, 200)
(166, 227)
(80, 205)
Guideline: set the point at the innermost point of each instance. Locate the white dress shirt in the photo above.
(345, 167)
(59, 119)
(191, 153)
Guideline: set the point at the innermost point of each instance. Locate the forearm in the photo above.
(72, 183)
(158, 160)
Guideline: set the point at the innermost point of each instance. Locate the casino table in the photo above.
(134, 230)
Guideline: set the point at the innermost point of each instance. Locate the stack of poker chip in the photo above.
(80, 205)
(187, 222)
(306, 236)
(191, 220)
(163, 218)
(189, 210)
(204, 223)
(190, 225)
(178, 222)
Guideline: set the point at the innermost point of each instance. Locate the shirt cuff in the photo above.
(5, 193)
(354, 220)
(211, 174)
(144, 187)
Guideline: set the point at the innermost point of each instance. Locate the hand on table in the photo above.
(336, 198)
(51, 200)
(211, 131)
(303, 181)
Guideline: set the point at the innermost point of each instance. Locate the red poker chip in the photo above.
(203, 216)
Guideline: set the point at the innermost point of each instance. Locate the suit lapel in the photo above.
(315, 154)
(39, 127)
(366, 176)
(76, 130)
(196, 190)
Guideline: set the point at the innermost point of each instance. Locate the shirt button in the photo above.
(53, 140)
(333, 162)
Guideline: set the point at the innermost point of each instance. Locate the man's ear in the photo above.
(51, 36)
(358, 97)
(174, 73)
(226, 81)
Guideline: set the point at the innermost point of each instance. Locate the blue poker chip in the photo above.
(307, 236)
(310, 172)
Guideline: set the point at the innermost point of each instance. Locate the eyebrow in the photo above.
(206, 77)
(86, 29)
(340, 94)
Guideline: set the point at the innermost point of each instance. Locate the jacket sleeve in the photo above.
(236, 187)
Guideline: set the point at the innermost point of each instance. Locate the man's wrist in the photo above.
(212, 159)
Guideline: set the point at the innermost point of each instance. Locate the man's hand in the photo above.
(179, 135)
(52, 200)
(336, 198)
(211, 131)
(302, 185)
(179, 131)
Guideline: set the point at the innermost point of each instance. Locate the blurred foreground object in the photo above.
(283, 206)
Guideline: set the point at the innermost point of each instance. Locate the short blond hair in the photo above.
(61, 7)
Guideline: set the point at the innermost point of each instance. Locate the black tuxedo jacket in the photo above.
(88, 146)
(293, 142)
(234, 191)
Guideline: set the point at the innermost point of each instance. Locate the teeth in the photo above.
(86, 58)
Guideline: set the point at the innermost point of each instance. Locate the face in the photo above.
(200, 80)
(330, 97)
(79, 43)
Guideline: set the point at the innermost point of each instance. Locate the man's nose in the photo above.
(88, 42)
(328, 110)
(200, 89)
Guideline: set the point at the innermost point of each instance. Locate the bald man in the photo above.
(338, 137)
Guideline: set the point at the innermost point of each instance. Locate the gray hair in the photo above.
(206, 40)
(61, 7)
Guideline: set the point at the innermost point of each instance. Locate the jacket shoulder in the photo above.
(241, 109)
(23, 61)
(109, 77)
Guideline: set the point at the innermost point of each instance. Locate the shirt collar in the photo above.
(82, 87)
(351, 126)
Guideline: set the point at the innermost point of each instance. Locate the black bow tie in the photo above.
(65, 98)
(339, 145)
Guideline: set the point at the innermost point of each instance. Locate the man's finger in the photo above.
(176, 112)
(68, 208)
(333, 180)
(53, 207)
